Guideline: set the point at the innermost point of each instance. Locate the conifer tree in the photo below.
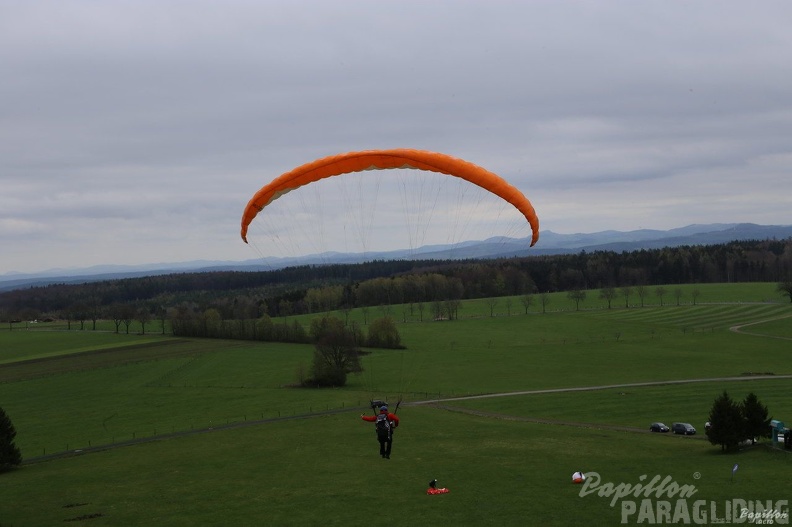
(755, 418)
(727, 428)
(10, 456)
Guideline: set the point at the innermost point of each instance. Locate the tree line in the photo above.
(431, 287)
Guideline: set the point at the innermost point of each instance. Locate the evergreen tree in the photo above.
(755, 418)
(726, 419)
(10, 456)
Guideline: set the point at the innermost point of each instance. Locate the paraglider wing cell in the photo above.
(383, 160)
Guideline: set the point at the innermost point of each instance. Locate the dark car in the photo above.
(683, 428)
(658, 427)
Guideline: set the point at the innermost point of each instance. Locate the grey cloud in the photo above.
(152, 120)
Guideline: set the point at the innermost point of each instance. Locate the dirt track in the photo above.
(739, 328)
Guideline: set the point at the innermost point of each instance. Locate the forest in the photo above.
(237, 295)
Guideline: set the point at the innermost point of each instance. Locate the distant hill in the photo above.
(549, 243)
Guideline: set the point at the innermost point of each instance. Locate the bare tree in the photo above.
(452, 308)
(641, 291)
(162, 315)
(526, 300)
(491, 303)
(577, 296)
(116, 313)
(94, 307)
(626, 291)
(608, 293)
(143, 315)
(678, 294)
(660, 291)
(785, 288)
(437, 310)
(79, 312)
(544, 299)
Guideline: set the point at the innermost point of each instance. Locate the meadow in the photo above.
(131, 429)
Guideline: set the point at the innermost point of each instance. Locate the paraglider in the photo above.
(434, 489)
(384, 423)
(389, 159)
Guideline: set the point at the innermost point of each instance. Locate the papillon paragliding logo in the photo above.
(661, 500)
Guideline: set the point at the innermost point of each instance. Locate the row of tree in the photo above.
(434, 286)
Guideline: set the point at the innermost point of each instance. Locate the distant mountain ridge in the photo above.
(549, 243)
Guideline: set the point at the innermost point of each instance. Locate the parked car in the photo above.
(683, 428)
(658, 427)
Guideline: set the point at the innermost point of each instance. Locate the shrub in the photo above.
(382, 333)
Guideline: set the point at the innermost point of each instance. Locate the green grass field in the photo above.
(229, 441)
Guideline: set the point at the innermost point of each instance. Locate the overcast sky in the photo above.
(135, 132)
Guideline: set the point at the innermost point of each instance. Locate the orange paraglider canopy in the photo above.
(383, 160)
